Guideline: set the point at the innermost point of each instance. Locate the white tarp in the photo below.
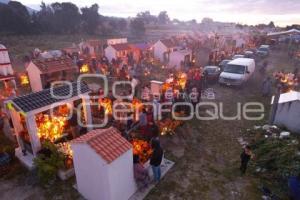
(291, 31)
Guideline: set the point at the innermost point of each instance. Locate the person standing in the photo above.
(246, 155)
(156, 159)
(267, 87)
(140, 173)
(195, 96)
(143, 122)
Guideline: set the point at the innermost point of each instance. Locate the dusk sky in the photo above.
(243, 11)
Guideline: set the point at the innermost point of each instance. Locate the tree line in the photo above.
(57, 18)
(67, 18)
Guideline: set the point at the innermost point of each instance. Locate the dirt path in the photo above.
(207, 152)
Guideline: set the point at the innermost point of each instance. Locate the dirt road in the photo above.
(207, 152)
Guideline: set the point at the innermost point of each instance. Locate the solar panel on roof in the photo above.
(43, 98)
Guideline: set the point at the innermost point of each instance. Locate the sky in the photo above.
(282, 12)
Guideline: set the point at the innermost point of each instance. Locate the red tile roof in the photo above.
(107, 143)
(121, 47)
(168, 43)
(54, 64)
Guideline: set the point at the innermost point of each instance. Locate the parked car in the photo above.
(238, 56)
(223, 63)
(237, 72)
(249, 54)
(212, 73)
(254, 50)
(263, 51)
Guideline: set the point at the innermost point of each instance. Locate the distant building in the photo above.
(41, 72)
(92, 47)
(180, 58)
(163, 48)
(141, 50)
(7, 78)
(5, 64)
(116, 41)
(117, 51)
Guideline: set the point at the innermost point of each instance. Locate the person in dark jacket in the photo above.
(246, 155)
(156, 159)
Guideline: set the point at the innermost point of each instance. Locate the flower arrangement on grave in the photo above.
(142, 149)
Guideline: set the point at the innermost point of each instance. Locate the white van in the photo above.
(237, 72)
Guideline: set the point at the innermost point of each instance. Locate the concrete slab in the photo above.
(27, 160)
(142, 192)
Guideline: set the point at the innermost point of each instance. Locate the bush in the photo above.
(48, 162)
(278, 157)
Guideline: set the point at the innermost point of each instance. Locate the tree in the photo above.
(147, 17)
(14, 18)
(137, 27)
(163, 17)
(90, 18)
(271, 24)
(122, 24)
(45, 18)
(66, 17)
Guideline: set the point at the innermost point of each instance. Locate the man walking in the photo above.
(245, 158)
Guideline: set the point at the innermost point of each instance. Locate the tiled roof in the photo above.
(121, 47)
(142, 46)
(44, 98)
(168, 43)
(107, 143)
(54, 64)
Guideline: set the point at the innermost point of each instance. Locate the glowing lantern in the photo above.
(84, 68)
(24, 79)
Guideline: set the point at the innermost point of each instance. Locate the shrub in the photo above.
(48, 162)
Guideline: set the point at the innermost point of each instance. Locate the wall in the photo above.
(91, 173)
(116, 41)
(159, 50)
(34, 76)
(121, 177)
(110, 53)
(288, 116)
(175, 59)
